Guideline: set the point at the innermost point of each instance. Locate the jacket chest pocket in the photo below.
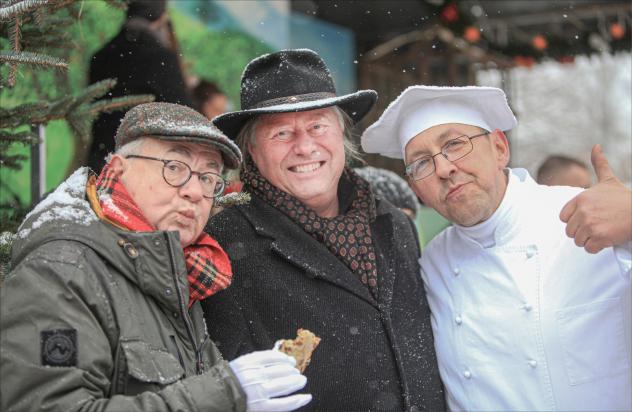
(146, 368)
(593, 339)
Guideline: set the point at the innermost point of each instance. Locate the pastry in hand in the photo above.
(300, 348)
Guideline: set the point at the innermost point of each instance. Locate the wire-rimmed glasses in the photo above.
(452, 150)
(177, 174)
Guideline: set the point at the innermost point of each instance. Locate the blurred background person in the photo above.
(390, 186)
(209, 99)
(564, 171)
(143, 57)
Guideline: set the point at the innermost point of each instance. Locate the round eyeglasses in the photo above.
(177, 174)
(452, 150)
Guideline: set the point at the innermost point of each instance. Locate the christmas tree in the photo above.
(35, 38)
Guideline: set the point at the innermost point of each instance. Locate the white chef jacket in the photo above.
(523, 319)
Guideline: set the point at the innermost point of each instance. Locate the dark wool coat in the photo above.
(142, 64)
(374, 355)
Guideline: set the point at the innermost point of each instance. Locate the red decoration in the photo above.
(233, 187)
(567, 59)
(617, 31)
(539, 42)
(472, 34)
(450, 13)
(524, 61)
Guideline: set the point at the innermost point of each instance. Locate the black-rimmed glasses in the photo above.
(452, 150)
(177, 174)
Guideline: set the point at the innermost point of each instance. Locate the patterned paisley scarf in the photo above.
(208, 267)
(348, 235)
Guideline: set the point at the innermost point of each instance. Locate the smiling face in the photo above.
(302, 153)
(468, 191)
(183, 209)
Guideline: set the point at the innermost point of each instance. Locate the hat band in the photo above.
(293, 99)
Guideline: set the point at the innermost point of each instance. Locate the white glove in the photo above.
(267, 374)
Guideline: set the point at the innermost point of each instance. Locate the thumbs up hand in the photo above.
(601, 216)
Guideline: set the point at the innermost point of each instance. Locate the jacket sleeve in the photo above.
(623, 254)
(52, 290)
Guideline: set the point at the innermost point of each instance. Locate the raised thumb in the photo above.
(600, 164)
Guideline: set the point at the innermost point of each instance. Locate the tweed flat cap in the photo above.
(169, 121)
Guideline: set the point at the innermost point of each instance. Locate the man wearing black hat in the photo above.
(101, 310)
(143, 60)
(315, 249)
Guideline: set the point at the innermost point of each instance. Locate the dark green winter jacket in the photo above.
(95, 318)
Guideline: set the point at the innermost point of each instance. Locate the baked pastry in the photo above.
(300, 348)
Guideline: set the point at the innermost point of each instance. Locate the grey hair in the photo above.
(248, 135)
(133, 147)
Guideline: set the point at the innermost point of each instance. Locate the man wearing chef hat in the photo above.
(530, 286)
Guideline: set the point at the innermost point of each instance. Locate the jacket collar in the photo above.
(148, 259)
(293, 244)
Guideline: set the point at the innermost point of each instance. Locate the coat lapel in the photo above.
(296, 246)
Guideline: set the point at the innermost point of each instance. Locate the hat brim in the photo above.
(356, 105)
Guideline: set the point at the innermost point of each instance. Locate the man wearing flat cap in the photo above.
(315, 249)
(101, 309)
(530, 287)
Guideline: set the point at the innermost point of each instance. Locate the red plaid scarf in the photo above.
(208, 267)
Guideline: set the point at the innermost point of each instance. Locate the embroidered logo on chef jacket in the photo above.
(59, 347)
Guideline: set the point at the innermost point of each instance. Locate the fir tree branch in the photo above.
(94, 91)
(58, 4)
(16, 9)
(15, 34)
(45, 42)
(14, 38)
(118, 103)
(32, 113)
(32, 58)
(26, 138)
(12, 162)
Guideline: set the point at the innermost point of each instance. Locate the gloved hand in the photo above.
(264, 375)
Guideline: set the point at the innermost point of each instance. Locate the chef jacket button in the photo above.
(533, 363)
(458, 320)
(456, 271)
(527, 307)
(467, 374)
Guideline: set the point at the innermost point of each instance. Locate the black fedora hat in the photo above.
(290, 81)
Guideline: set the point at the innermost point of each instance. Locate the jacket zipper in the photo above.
(199, 365)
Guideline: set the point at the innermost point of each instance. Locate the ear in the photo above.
(118, 165)
(501, 146)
